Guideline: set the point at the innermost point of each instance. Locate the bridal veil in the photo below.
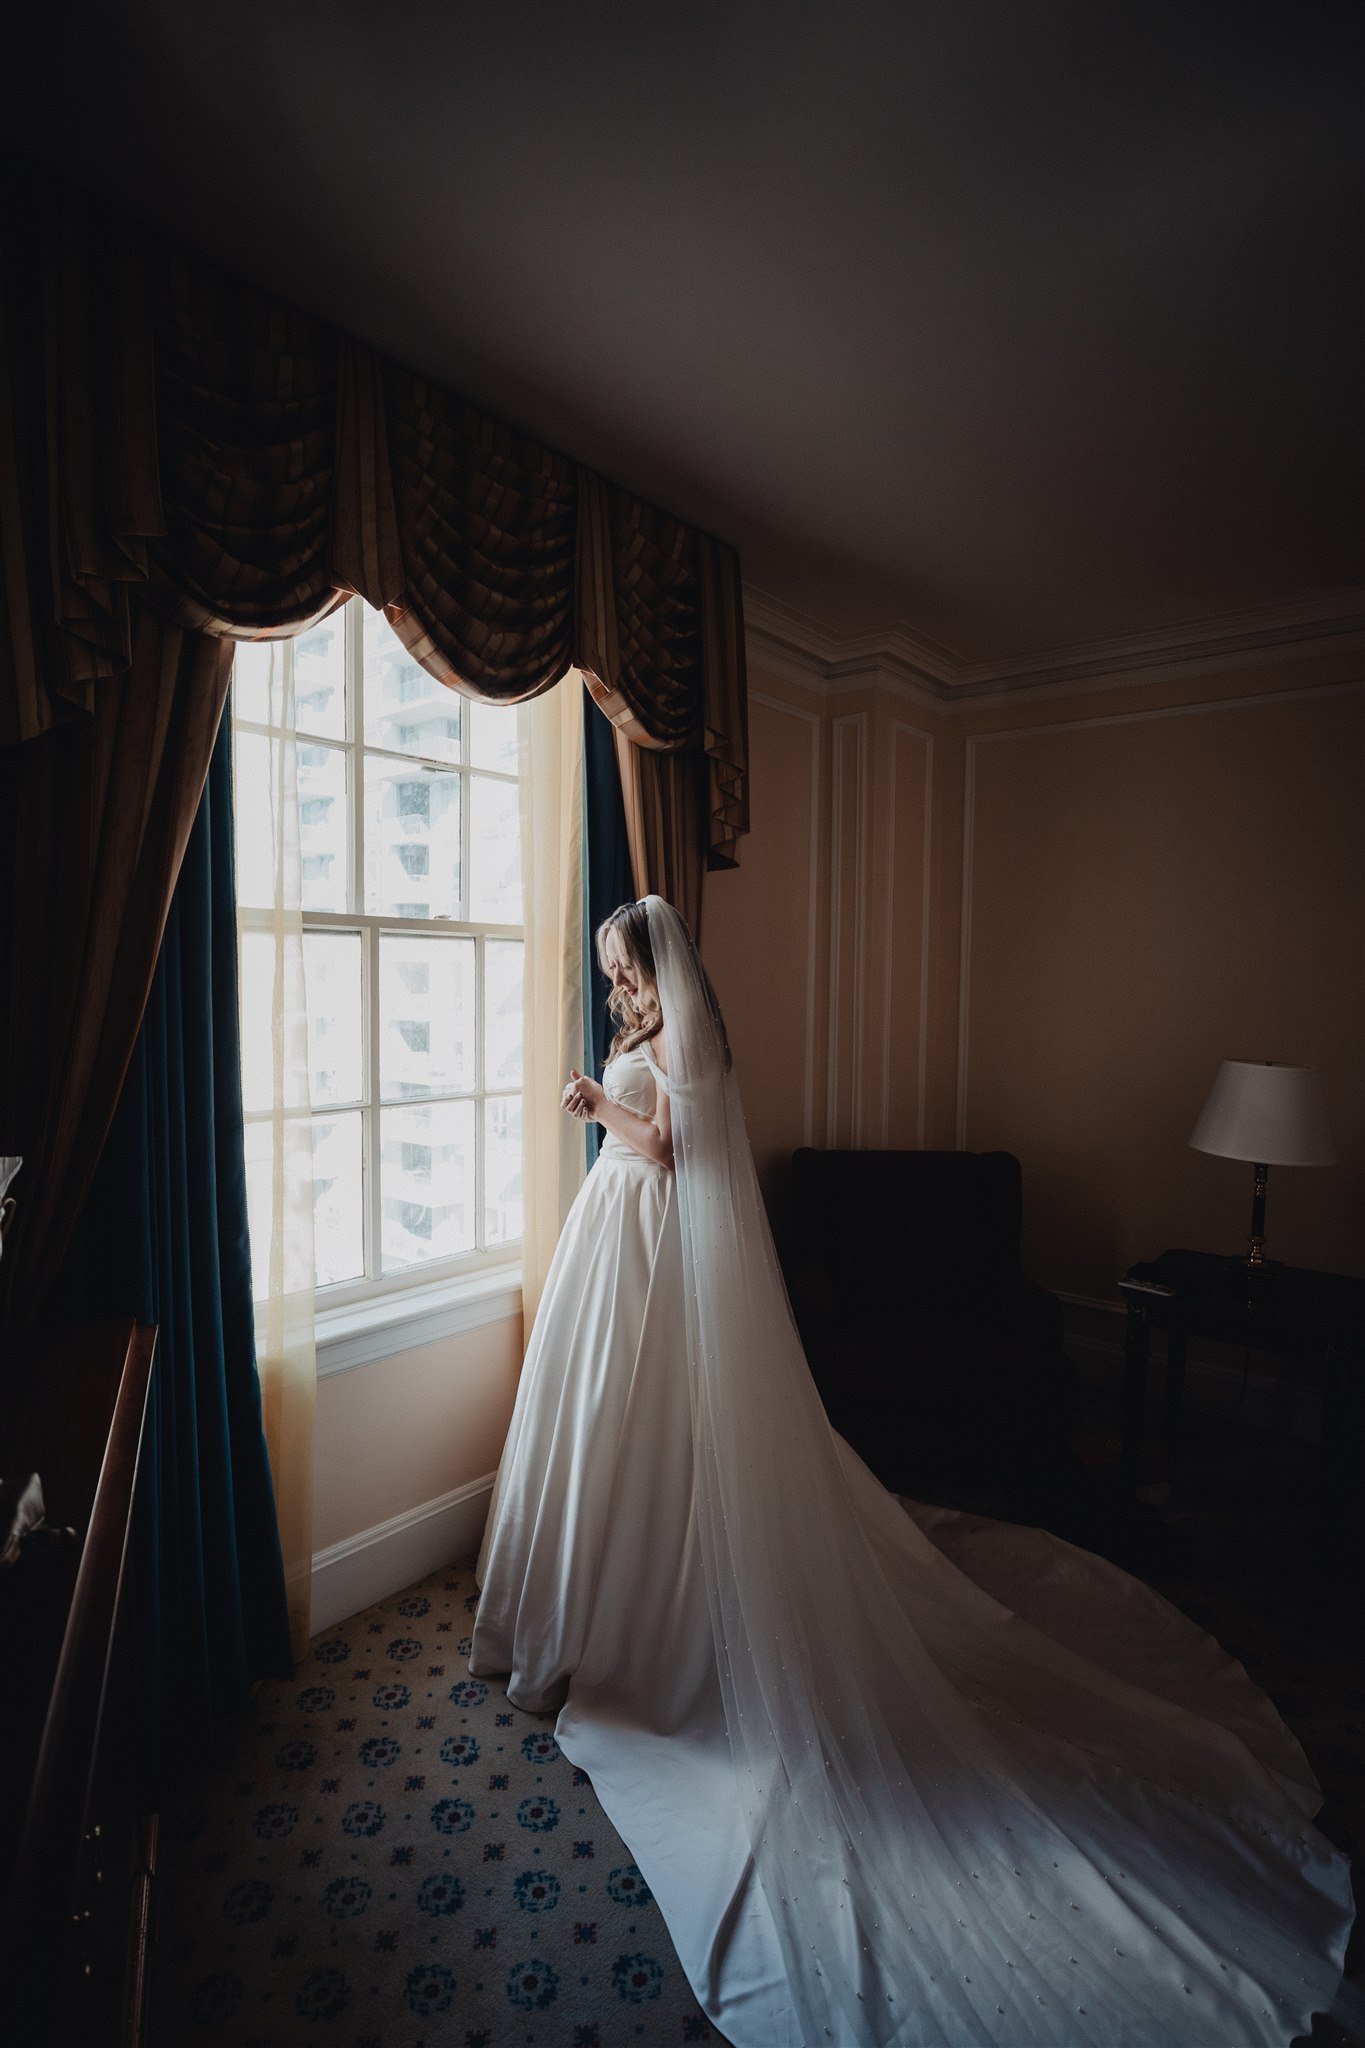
(966, 1830)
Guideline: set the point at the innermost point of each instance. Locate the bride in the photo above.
(894, 1775)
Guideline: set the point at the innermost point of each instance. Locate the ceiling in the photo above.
(1004, 328)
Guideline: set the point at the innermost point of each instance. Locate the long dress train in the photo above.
(1104, 1834)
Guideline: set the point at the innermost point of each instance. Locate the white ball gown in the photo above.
(893, 1777)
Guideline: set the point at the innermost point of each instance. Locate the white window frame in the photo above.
(486, 1264)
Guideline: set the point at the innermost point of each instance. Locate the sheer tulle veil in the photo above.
(927, 1881)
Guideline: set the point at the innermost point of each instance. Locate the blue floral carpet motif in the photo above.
(385, 1854)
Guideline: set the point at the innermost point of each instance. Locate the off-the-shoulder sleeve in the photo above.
(657, 1071)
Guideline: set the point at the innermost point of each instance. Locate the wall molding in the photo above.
(933, 677)
(376, 1562)
(926, 739)
(974, 741)
(854, 724)
(812, 720)
(964, 938)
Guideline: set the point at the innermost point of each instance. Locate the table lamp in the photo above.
(1270, 1115)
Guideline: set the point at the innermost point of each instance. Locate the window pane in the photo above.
(335, 1037)
(494, 852)
(254, 827)
(323, 836)
(426, 1015)
(412, 840)
(493, 735)
(502, 963)
(259, 1143)
(255, 989)
(426, 1184)
(320, 678)
(338, 1236)
(257, 680)
(406, 709)
(260, 1194)
(502, 1169)
(323, 832)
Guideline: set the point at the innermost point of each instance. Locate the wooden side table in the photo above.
(1289, 1311)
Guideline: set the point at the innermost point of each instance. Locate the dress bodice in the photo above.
(629, 1079)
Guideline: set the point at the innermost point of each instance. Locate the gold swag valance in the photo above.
(203, 448)
(186, 461)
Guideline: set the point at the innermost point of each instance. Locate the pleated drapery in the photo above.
(282, 1225)
(550, 736)
(94, 818)
(164, 1237)
(675, 612)
(178, 447)
(662, 795)
(607, 882)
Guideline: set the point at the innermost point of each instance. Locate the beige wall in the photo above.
(764, 929)
(1038, 923)
(1150, 882)
(820, 942)
(396, 1432)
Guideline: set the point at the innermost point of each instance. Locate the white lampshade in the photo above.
(1271, 1115)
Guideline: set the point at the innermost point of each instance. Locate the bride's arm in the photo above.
(652, 1137)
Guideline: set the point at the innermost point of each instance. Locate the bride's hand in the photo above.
(582, 1097)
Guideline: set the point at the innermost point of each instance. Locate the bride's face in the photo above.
(623, 971)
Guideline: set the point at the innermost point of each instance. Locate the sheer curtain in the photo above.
(280, 1146)
(550, 737)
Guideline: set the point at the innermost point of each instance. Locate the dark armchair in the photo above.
(935, 1357)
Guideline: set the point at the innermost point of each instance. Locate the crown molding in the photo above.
(924, 673)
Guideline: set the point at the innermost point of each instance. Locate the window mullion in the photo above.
(464, 846)
(355, 729)
(404, 757)
(480, 1206)
(370, 1136)
(374, 1253)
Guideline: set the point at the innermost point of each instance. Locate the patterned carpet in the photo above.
(388, 1855)
(384, 1854)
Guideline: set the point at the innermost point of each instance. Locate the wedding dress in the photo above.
(894, 1777)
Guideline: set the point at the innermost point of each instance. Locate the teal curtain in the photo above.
(164, 1237)
(607, 881)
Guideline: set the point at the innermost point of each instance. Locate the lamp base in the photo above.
(1255, 1257)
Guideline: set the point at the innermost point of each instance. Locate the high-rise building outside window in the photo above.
(411, 883)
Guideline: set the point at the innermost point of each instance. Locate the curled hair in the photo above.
(637, 1021)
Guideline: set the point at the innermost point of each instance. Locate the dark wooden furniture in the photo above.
(1288, 1311)
(935, 1356)
(79, 1841)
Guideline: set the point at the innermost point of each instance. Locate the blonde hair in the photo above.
(635, 1019)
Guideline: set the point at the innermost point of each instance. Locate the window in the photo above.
(411, 881)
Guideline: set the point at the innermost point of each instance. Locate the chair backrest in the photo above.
(946, 1222)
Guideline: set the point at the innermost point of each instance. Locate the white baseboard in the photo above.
(351, 1575)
